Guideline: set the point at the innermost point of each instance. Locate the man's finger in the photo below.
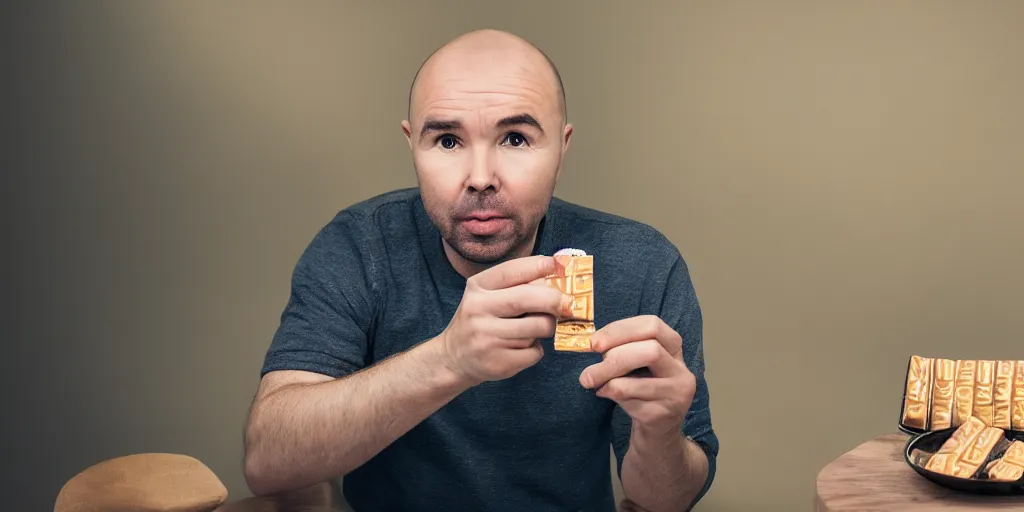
(646, 411)
(526, 299)
(515, 272)
(526, 356)
(528, 327)
(637, 388)
(625, 358)
(647, 327)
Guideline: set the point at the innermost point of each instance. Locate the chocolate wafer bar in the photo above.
(964, 391)
(574, 277)
(1017, 400)
(978, 453)
(984, 379)
(944, 461)
(1002, 394)
(917, 401)
(967, 450)
(942, 394)
(1009, 467)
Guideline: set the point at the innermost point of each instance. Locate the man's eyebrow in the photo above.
(519, 120)
(439, 125)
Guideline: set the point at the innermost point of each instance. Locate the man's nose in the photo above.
(482, 173)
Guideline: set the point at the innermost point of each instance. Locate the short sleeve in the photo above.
(680, 309)
(325, 325)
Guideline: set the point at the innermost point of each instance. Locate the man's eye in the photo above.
(447, 142)
(515, 139)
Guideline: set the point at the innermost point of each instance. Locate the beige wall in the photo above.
(842, 177)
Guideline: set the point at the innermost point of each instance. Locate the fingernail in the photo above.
(567, 303)
(559, 266)
(586, 381)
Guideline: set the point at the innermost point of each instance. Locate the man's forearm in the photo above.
(306, 434)
(662, 472)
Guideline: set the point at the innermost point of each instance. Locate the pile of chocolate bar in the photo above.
(944, 393)
(983, 400)
(976, 451)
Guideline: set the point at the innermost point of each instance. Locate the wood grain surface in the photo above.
(874, 477)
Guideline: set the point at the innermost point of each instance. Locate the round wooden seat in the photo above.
(143, 482)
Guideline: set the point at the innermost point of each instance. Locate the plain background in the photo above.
(843, 178)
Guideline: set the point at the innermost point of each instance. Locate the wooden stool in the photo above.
(144, 482)
(874, 476)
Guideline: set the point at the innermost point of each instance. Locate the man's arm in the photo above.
(297, 414)
(663, 472)
(671, 471)
(321, 407)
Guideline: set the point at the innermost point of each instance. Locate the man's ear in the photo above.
(566, 137)
(407, 130)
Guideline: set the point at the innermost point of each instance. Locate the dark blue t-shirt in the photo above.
(375, 282)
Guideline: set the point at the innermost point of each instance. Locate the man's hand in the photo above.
(504, 310)
(657, 402)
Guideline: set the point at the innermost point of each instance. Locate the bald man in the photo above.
(415, 356)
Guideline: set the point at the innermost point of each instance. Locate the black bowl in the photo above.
(911, 430)
(931, 441)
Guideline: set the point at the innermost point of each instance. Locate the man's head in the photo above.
(488, 131)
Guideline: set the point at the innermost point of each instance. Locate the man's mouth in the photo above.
(484, 216)
(484, 223)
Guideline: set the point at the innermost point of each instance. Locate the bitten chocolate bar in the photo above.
(1009, 467)
(944, 393)
(574, 277)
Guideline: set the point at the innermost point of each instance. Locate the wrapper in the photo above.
(574, 277)
(944, 393)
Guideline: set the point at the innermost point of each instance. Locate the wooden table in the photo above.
(320, 498)
(874, 476)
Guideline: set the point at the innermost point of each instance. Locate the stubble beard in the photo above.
(486, 250)
(481, 250)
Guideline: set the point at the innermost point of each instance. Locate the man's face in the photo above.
(487, 142)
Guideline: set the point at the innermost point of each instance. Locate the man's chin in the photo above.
(483, 254)
(483, 251)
